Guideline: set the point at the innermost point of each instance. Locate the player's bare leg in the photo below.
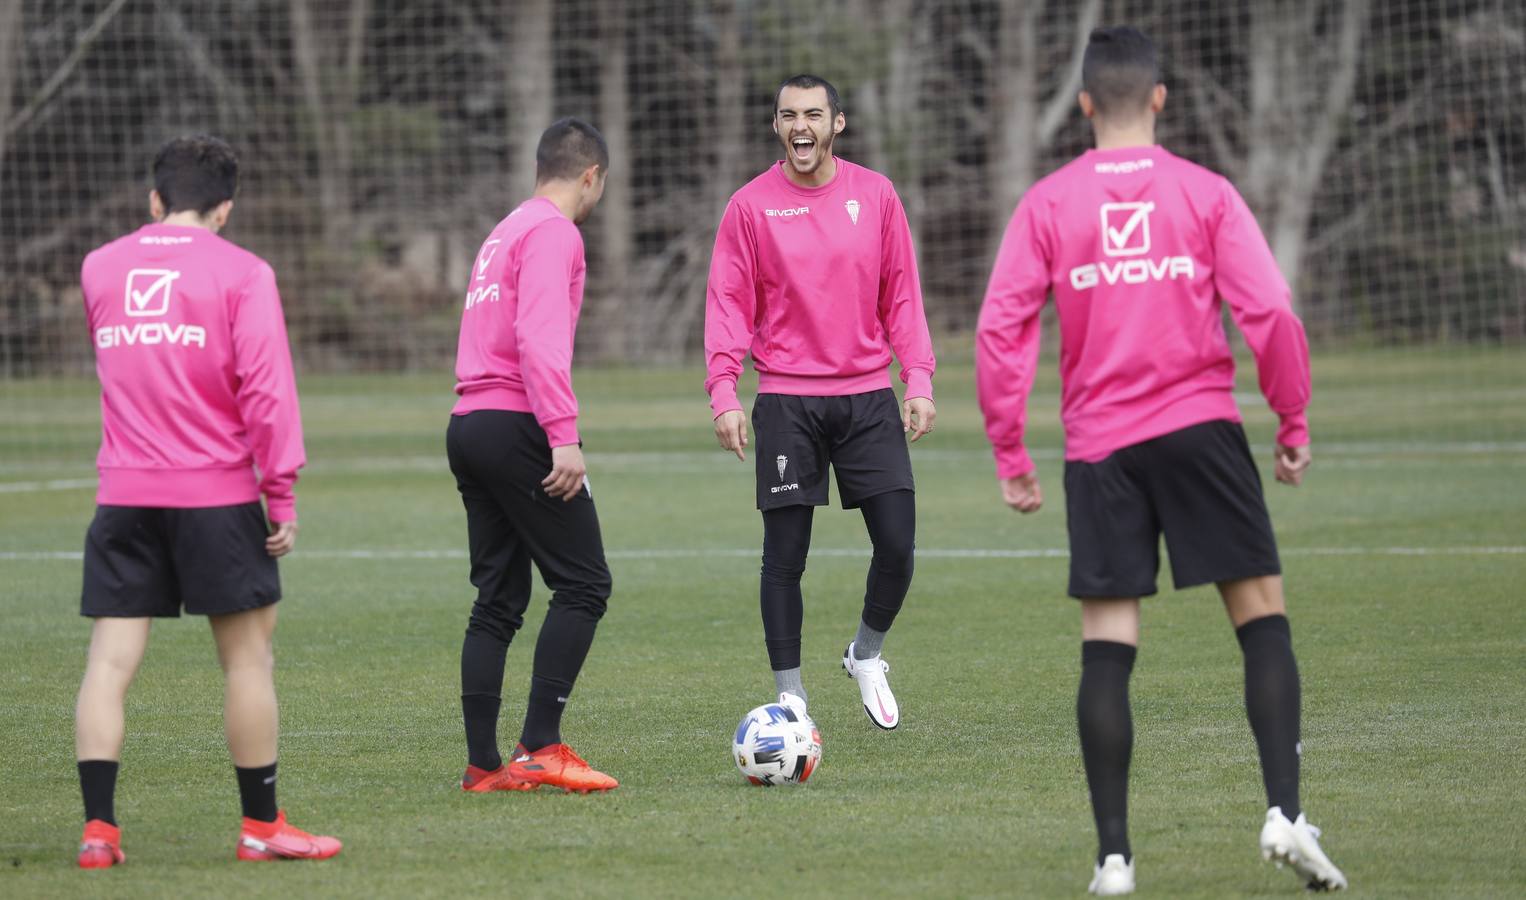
(1257, 609)
(116, 651)
(251, 720)
(1110, 637)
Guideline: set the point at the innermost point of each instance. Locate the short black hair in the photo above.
(1120, 69)
(567, 148)
(195, 172)
(806, 82)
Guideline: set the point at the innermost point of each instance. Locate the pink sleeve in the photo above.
(267, 391)
(1007, 338)
(544, 327)
(1247, 277)
(731, 302)
(901, 308)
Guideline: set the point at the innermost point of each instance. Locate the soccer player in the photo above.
(199, 418)
(514, 449)
(1138, 247)
(815, 275)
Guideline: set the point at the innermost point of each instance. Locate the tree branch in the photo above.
(1063, 100)
(65, 69)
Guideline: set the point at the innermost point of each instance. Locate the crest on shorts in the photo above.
(782, 461)
(852, 207)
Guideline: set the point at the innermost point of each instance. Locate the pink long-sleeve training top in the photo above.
(521, 315)
(820, 284)
(1138, 247)
(197, 388)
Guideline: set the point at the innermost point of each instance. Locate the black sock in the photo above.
(98, 785)
(482, 658)
(543, 714)
(257, 792)
(1272, 705)
(1107, 739)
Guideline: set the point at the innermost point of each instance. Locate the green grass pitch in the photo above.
(1414, 668)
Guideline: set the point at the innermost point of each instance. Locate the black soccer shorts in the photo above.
(150, 561)
(859, 435)
(1199, 486)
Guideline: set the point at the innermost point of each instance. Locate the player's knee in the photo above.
(784, 572)
(895, 555)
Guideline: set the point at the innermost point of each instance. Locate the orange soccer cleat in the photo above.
(557, 765)
(101, 846)
(262, 841)
(479, 781)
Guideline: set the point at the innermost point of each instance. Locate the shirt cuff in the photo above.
(1012, 462)
(919, 383)
(723, 398)
(1294, 430)
(281, 509)
(561, 432)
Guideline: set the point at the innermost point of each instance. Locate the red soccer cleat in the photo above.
(101, 846)
(557, 765)
(262, 841)
(480, 781)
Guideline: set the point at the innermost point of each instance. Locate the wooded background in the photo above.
(1381, 145)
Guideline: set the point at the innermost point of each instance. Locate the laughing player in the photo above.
(815, 275)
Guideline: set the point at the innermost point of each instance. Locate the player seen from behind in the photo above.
(514, 449)
(1138, 247)
(197, 395)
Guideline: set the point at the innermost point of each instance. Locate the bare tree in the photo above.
(617, 211)
(330, 102)
(1302, 60)
(10, 67)
(1025, 120)
(530, 81)
(891, 108)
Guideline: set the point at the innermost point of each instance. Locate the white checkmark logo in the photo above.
(1116, 241)
(148, 291)
(485, 257)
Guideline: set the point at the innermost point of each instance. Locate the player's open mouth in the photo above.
(802, 147)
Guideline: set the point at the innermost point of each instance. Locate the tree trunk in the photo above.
(617, 209)
(10, 73)
(530, 81)
(330, 105)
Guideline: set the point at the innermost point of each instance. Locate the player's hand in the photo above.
(283, 537)
(1023, 493)
(917, 415)
(1292, 462)
(567, 472)
(731, 431)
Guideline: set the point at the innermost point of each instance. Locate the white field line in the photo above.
(724, 553)
(698, 461)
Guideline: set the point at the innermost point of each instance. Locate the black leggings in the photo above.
(892, 522)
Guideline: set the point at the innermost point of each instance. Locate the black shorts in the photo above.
(1198, 485)
(859, 434)
(149, 561)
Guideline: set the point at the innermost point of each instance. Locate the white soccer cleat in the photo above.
(1113, 877)
(873, 688)
(795, 704)
(1297, 844)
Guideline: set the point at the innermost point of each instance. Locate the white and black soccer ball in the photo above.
(775, 745)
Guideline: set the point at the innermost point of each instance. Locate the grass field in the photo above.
(1404, 558)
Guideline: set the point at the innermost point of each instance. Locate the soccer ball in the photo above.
(774, 745)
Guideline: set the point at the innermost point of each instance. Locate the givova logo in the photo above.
(787, 213)
(147, 295)
(1126, 233)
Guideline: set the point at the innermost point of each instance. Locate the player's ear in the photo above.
(839, 123)
(1088, 108)
(1158, 99)
(155, 205)
(220, 214)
